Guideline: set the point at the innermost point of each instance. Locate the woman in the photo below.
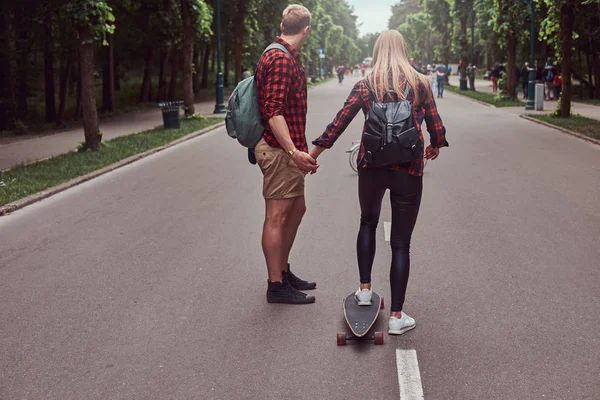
(391, 70)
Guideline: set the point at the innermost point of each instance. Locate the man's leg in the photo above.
(273, 238)
(297, 211)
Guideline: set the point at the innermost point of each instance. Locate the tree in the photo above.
(566, 38)
(92, 21)
(188, 53)
(401, 11)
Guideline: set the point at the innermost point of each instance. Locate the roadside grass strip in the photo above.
(585, 126)
(24, 180)
(487, 98)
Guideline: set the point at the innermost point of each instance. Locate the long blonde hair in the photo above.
(390, 61)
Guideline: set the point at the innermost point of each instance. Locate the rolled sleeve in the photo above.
(352, 106)
(435, 126)
(278, 80)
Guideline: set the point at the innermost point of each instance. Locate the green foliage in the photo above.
(94, 15)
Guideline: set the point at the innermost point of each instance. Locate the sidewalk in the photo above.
(586, 110)
(39, 147)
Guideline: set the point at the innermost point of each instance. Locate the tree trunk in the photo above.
(65, 73)
(146, 90)
(116, 72)
(595, 68)
(239, 38)
(91, 130)
(161, 94)
(213, 58)
(511, 79)
(108, 78)
(49, 71)
(22, 58)
(566, 35)
(174, 73)
(205, 62)
(7, 96)
(188, 55)
(198, 52)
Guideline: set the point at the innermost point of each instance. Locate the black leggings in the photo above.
(405, 196)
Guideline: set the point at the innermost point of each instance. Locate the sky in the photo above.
(374, 14)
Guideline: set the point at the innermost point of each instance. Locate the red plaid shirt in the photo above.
(361, 99)
(281, 87)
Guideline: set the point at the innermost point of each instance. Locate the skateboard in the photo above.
(360, 320)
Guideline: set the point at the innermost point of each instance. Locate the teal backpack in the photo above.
(243, 121)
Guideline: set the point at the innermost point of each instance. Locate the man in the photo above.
(282, 154)
(549, 83)
(495, 75)
(441, 70)
(416, 67)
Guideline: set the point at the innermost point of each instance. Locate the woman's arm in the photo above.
(352, 106)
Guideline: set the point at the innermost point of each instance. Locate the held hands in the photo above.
(305, 162)
(431, 153)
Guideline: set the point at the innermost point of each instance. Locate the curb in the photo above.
(558, 128)
(34, 198)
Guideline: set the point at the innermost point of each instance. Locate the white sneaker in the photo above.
(398, 326)
(363, 297)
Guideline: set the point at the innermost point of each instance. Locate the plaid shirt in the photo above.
(281, 87)
(362, 98)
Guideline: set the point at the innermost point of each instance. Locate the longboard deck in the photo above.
(360, 319)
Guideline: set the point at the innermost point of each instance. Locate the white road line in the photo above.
(409, 377)
(387, 228)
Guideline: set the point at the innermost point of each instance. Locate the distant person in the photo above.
(441, 71)
(412, 64)
(495, 75)
(282, 154)
(356, 72)
(525, 79)
(557, 86)
(549, 83)
(433, 79)
(549, 63)
(363, 70)
(245, 73)
(401, 175)
(341, 70)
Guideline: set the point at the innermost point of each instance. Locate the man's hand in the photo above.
(431, 153)
(305, 162)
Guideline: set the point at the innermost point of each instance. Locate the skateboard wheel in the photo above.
(378, 338)
(341, 339)
(382, 304)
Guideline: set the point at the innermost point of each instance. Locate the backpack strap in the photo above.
(276, 46)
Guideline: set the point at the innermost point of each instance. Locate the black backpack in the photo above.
(391, 136)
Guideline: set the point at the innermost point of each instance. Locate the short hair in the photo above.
(295, 18)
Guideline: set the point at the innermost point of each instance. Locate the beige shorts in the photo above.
(282, 177)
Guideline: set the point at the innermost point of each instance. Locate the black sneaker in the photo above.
(284, 293)
(296, 282)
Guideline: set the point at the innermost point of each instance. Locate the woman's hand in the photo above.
(431, 153)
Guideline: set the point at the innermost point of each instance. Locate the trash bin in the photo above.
(170, 113)
(313, 78)
(463, 84)
(539, 97)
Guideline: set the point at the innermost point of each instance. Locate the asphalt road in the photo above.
(149, 282)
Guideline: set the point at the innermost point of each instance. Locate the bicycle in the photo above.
(353, 157)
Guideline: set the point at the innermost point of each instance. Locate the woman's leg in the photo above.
(405, 197)
(371, 188)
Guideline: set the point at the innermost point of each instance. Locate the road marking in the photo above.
(387, 228)
(409, 377)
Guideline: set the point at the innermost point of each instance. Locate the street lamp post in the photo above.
(531, 86)
(219, 106)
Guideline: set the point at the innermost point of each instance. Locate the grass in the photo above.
(25, 180)
(486, 97)
(585, 126)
